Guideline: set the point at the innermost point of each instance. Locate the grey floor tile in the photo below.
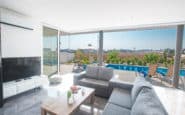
(29, 104)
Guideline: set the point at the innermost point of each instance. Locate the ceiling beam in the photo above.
(127, 28)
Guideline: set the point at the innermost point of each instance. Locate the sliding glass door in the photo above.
(77, 51)
(50, 51)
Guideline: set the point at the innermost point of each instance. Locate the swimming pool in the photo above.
(143, 69)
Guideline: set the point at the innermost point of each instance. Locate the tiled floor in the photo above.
(29, 104)
(24, 104)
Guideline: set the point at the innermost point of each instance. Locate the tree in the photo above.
(122, 61)
(113, 57)
(169, 52)
(79, 55)
(165, 55)
(151, 58)
(128, 61)
(140, 62)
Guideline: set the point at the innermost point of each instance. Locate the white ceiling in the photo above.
(74, 15)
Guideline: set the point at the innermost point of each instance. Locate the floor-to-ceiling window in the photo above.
(77, 51)
(135, 50)
(50, 51)
(132, 48)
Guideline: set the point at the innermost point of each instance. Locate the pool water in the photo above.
(142, 69)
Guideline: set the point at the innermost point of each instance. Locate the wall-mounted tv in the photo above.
(19, 68)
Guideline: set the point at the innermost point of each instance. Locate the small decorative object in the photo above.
(74, 89)
(70, 98)
(55, 79)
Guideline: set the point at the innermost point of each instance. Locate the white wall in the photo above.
(19, 42)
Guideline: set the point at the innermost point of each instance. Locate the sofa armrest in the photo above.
(116, 83)
(78, 76)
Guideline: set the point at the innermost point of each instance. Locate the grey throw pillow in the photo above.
(105, 73)
(147, 103)
(92, 72)
(139, 83)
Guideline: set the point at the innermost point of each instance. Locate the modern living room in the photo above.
(116, 57)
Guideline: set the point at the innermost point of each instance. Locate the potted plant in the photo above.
(70, 98)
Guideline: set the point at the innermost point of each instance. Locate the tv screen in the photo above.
(19, 68)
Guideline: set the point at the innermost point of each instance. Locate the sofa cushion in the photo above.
(139, 83)
(92, 72)
(105, 73)
(147, 103)
(121, 97)
(95, 82)
(111, 109)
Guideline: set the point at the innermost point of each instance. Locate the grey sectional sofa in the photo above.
(96, 77)
(138, 98)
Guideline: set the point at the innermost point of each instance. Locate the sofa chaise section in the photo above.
(112, 109)
(121, 97)
(138, 98)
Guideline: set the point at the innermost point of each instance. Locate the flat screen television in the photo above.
(20, 68)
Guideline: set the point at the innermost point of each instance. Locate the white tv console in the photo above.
(16, 87)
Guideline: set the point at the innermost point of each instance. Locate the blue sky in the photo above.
(143, 39)
(140, 39)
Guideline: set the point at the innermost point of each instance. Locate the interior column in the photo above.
(100, 49)
(179, 40)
